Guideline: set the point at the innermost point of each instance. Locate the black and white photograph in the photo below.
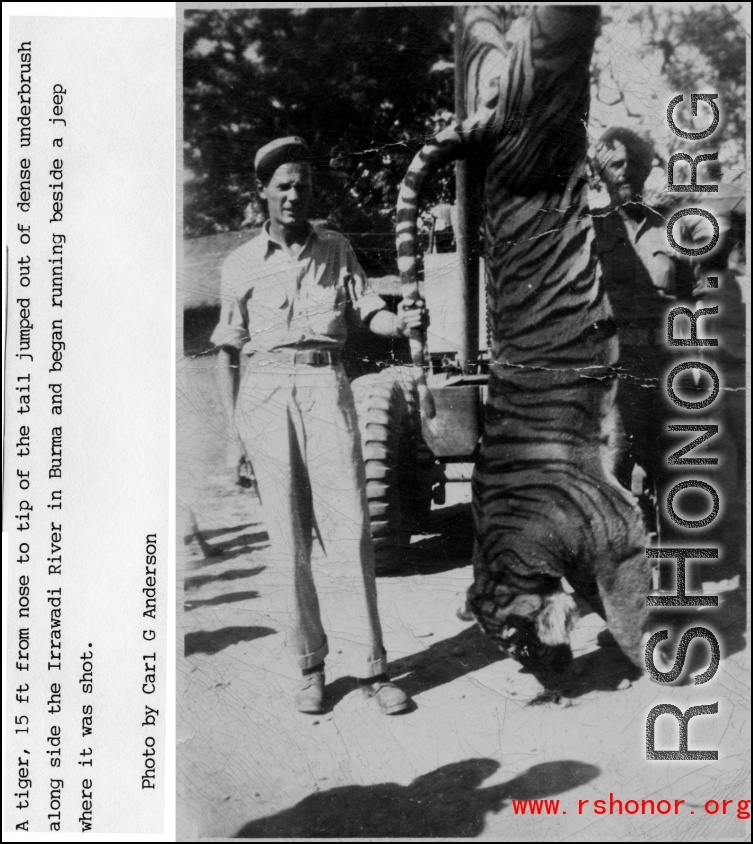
(461, 422)
(375, 423)
(376, 455)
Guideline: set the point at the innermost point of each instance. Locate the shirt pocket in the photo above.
(273, 297)
(323, 310)
(324, 297)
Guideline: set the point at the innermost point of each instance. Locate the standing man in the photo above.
(288, 297)
(641, 276)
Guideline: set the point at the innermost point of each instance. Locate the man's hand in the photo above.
(661, 268)
(411, 315)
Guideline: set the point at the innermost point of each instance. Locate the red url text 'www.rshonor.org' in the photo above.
(615, 806)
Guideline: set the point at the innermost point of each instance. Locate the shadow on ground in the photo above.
(213, 533)
(445, 661)
(607, 668)
(447, 803)
(233, 574)
(227, 598)
(604, 670)
(214, 641)
(219, 552)
(447, 544)
(471, 650)
(439, 664)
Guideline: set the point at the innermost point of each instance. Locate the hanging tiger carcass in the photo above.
(546, 504)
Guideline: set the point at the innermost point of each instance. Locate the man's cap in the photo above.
(277, 152)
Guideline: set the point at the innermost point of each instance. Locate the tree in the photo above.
(647, 54)
(363, 86)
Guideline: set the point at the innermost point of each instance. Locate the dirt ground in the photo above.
(483, 732)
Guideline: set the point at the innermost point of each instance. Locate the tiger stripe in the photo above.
(546, 503)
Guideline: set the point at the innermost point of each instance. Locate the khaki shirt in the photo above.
(272, 300)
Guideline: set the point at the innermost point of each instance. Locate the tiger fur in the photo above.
(546, 504)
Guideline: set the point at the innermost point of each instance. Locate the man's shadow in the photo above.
(439, 664)
(471, 650)
(447, 803)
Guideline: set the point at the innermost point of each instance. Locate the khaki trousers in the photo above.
(299, 426)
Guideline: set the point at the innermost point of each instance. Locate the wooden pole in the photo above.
(468, 199)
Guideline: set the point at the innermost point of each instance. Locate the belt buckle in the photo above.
(309, 357)
(314, 357)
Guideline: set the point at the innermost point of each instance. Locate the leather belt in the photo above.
(306, 357)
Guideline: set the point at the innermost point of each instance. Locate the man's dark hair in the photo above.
(641, 148)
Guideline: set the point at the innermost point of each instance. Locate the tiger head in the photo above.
(533, 629)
